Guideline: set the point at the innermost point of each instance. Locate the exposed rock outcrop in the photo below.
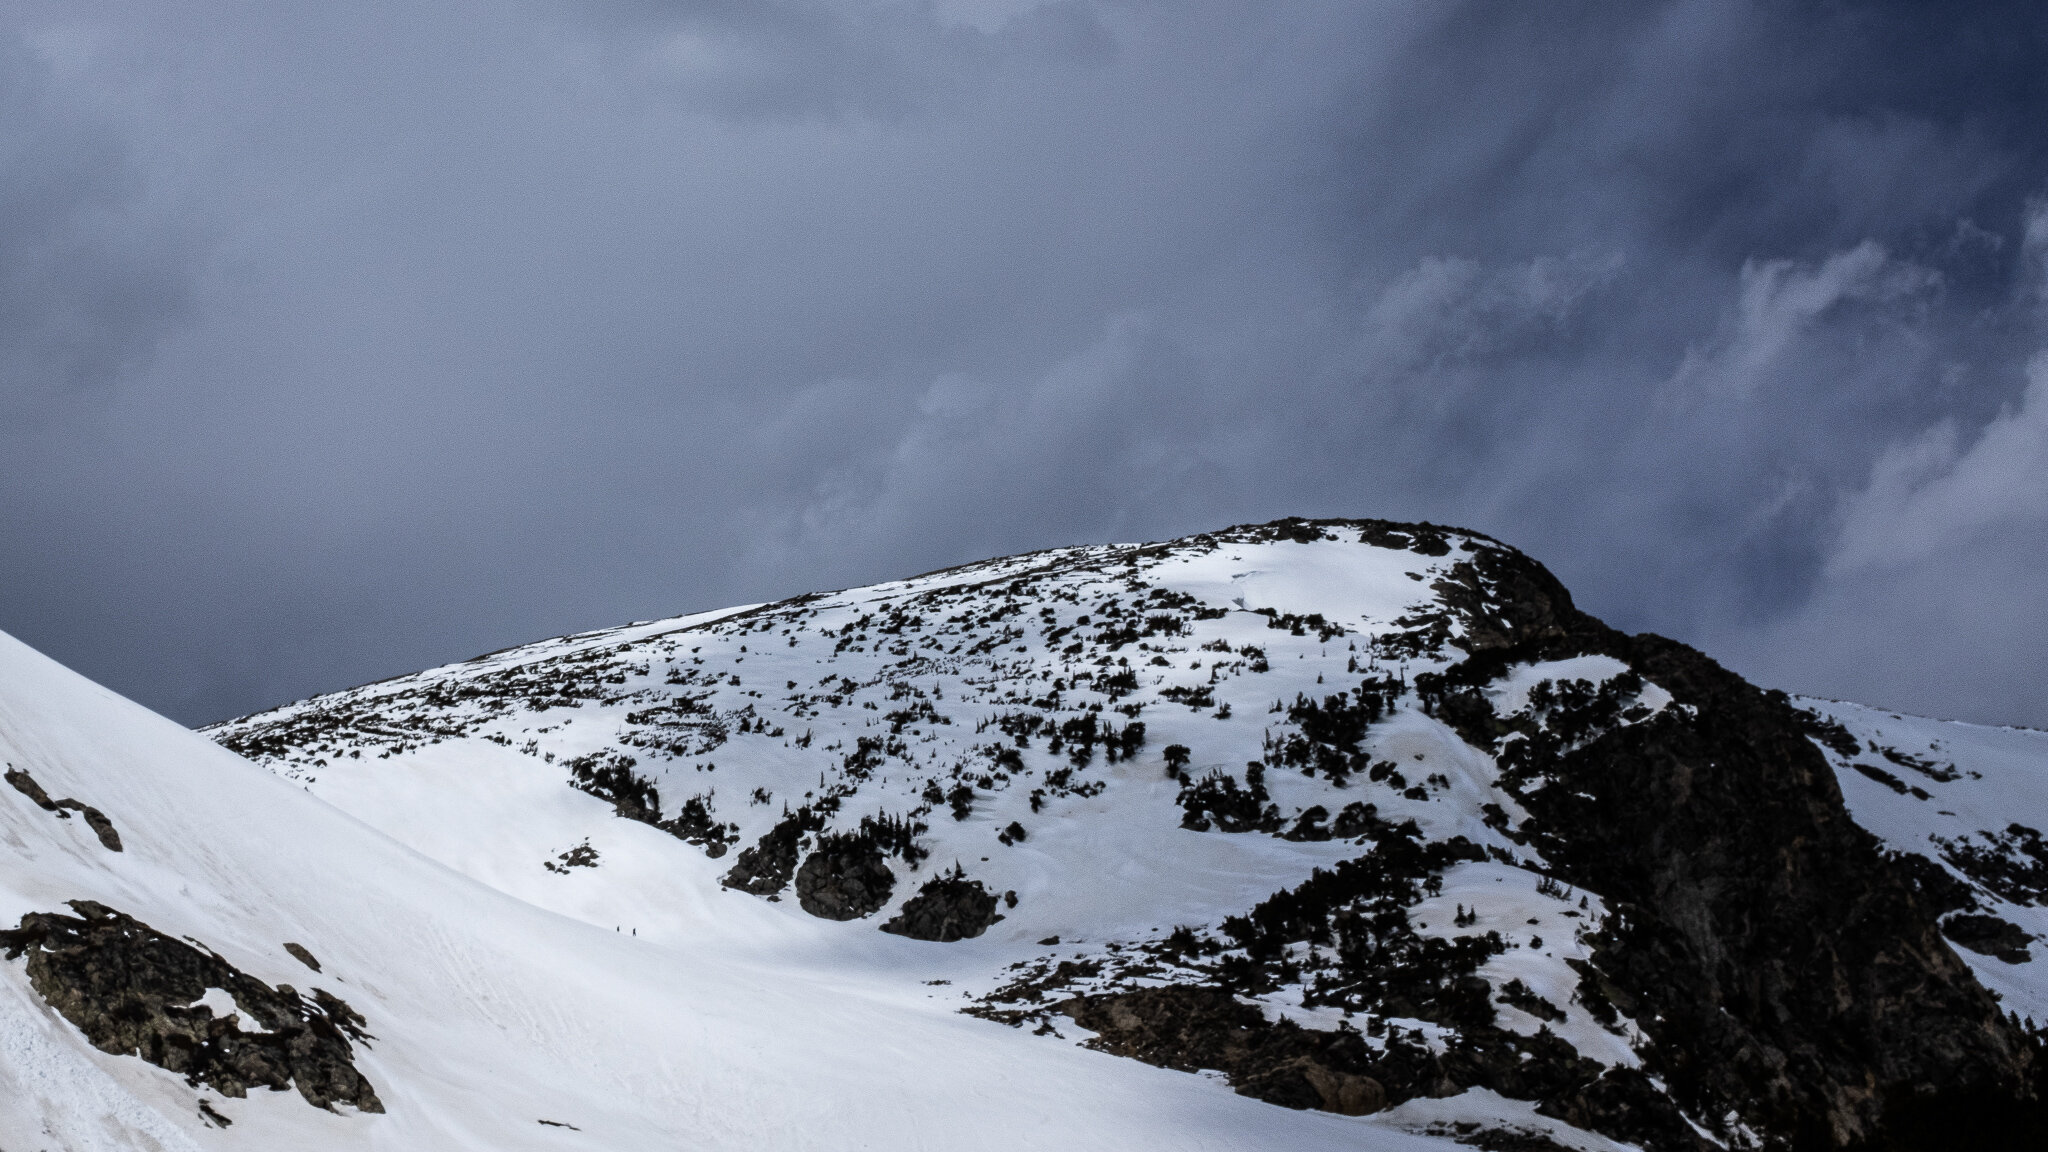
(1989, 936)
(765, 868)
(134, 991)
(845, 877)
(1786, 970)
(94, 818)
(1190, 1028)
(947, 908)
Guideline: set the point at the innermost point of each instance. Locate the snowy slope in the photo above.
(1973, 800)
(491, 1014)
(1377, 786)
(459, 763)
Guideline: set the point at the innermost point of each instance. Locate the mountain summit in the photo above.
(1365, 822)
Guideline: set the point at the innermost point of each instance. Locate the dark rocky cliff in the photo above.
(1786, 971)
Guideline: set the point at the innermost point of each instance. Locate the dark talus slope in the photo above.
(1372, 772)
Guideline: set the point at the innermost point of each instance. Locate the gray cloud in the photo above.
(90, 276)
(342, 341)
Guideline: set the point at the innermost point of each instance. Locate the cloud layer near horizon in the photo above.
(339, 342)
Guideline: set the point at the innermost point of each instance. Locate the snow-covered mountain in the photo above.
(1363, 823)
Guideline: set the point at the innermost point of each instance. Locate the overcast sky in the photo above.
(338, 340)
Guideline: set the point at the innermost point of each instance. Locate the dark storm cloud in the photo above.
(341, 341)
(88, 279)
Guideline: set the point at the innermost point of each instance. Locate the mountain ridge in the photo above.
(1364, 818)
(1663, 948)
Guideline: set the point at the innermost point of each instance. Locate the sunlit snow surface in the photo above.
(416, 835)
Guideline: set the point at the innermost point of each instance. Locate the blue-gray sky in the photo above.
(340, 340)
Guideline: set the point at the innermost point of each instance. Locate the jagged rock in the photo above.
(133, 990)
(945, 909)
(844, 878)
